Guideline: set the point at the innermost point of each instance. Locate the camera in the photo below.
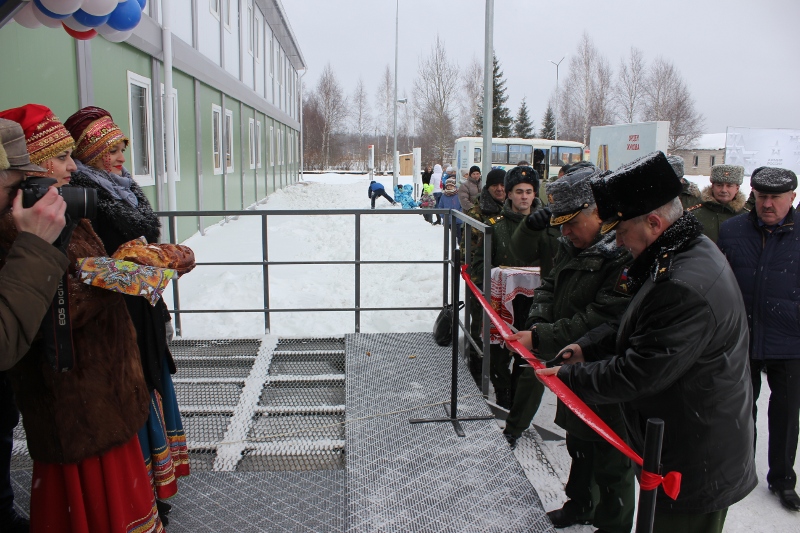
(81, 202)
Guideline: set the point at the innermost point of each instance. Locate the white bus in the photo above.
(506, 153)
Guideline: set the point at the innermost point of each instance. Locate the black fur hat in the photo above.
(772, 180)
(636, 189)
(518, 175)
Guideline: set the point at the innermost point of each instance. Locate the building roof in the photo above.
(709, 141)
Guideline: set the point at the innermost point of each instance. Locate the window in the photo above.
(520, 152)
(176, 141)
(140, 113)
(271, 145)
(565, 155)
(228, 140)
(216, 133)
(258, 144)
(214, 7)
(250, 32)
(252, 138)
(257, 41)
(499, 153)
(476, 157)
(713, 160)
(226, 6)
(696, 161)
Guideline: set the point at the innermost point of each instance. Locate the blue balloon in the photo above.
(125, 16)
(90, 21)
(143, 3)
(49, 13)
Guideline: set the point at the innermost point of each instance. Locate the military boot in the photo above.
(570, 514)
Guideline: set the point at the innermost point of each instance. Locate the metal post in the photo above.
(454, 327)
(302, 131)
(169, 105)
(487, 293)
(486, 158)
(445, 256)
(176, 295)
(557, 96)
(396, 45)
(358, 275)
(265, 269)
(651, 462)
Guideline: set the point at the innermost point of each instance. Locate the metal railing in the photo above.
(267, 310)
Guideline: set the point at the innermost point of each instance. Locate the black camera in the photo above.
(81, 202)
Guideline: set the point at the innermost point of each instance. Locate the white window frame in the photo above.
(272, 142)
(281, 158)
(228, 130)
(138, 80)
(226, 14)
(258, 144)
(251, 128)
(251, 23)
(215, 8)
(257, 39)
(216, 151)
(177, 133)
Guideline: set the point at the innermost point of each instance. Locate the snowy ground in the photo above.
(383, 237)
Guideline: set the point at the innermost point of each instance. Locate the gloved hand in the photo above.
(539, 219)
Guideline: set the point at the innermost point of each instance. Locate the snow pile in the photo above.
(710, 141)
(313, 238)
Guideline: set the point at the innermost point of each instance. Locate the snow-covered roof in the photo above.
(710, 141)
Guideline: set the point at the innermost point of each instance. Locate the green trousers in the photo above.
(527, 399)
(601, 478)
(690, 523)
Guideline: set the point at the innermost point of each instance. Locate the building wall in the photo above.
(699, 162)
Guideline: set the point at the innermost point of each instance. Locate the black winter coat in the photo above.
(118, 222)
(681, 356)
(767, 267)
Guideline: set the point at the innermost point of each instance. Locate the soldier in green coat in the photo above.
(521, 184)
(721, 200)
(690, 195)
(583, 291)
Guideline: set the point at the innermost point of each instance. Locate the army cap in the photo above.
(772, 180)
(570, 194)
(677, 164)
(727, 174)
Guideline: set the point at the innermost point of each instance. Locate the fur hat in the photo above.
(518, 175)
(15, 153)
(676, 162)
(727, 174)
(45, 135)
(635, 189)
(570, 194)
(94, 132)
(474, 168)
(495, 176)
(773, 180)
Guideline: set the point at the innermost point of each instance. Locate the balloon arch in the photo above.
(84, 19)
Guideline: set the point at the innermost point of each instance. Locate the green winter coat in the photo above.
(537, 247)
(712, 214)
(486, 210)
(580, 294)
(690, 195)
(504, 253)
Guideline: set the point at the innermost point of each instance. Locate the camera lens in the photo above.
(81, 202)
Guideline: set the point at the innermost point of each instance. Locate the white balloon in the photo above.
(44, 19)
(105, 29)
(26, 18)
(119, 36)
(62, 7)
(75, 25)
(99, 8)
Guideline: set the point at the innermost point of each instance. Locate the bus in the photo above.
(506, 153)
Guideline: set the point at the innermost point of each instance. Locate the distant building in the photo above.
(707, 151)
(237, 88)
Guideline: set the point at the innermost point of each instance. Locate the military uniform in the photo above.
(690, 194)
(712, 214)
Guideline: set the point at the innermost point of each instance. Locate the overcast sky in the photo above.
(740, 58)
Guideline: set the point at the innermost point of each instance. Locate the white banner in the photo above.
(614, 146)
(753, 148)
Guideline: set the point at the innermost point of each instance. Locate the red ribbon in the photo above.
(649, 480)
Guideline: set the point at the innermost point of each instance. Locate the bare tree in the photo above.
(360, 118)
(629, 89)
(667, 98)
(435, 91)
(471, 98)
(332, 107)
(384, 120)
(312, 135)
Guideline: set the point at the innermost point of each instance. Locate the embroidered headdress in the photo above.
(95, 134)
(45, 135)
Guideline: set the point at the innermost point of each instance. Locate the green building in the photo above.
(237, 97)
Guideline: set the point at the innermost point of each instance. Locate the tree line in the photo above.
(446, 102)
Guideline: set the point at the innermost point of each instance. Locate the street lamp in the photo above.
(396, 155)
(557, 109)
(396, 46)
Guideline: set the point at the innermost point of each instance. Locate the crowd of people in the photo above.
(89, 369)
(657, 300)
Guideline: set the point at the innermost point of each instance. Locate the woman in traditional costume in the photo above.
(81, 419)
(123, 214)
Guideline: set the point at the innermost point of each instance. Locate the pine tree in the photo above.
(501, 116)
(548, 130)
(523, 127)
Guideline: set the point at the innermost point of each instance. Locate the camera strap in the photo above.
(57, 330)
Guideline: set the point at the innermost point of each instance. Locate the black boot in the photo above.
(14, 523)
(504, 398)
(511, 440)
(570, 514)
(163, 510)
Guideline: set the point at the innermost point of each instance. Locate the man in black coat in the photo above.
(763, 249)
(680, 352)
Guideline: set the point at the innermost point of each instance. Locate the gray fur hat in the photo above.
(677, 164)
(570, 194)
(773, 180)
(727, 174)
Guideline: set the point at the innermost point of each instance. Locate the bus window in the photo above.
(477, 157)
(499, 154)
(566, 155)
(519, 152)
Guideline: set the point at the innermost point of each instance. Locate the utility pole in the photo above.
(557, 94)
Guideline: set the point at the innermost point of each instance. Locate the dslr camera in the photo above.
(81, 202)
